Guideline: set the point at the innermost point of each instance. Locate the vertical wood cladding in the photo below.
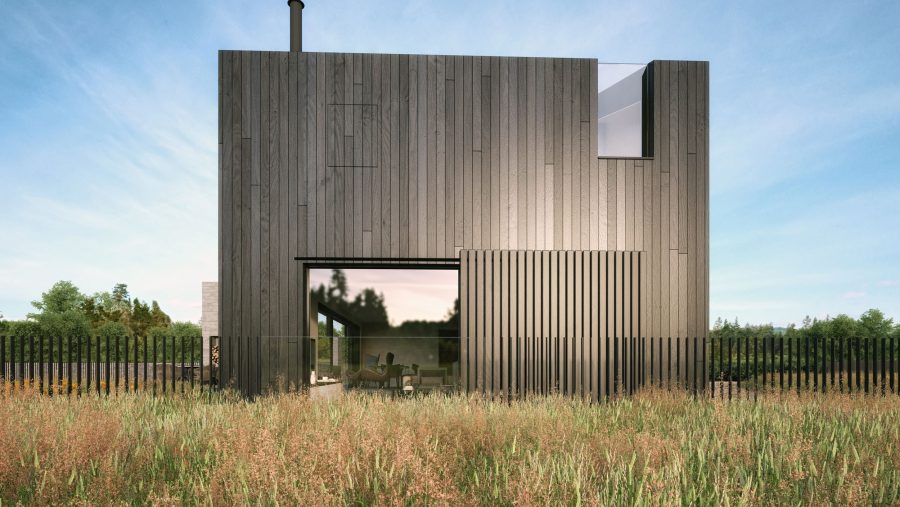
(660, 205)
(407, 156)
(540, 322)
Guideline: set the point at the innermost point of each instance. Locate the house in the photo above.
(571, 196)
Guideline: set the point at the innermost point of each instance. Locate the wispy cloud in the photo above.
(109, 132)
(853, 294)
(128, 192)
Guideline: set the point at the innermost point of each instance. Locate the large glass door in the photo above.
(386, 328)
(330, 345)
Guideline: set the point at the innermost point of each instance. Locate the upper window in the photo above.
(621, 110)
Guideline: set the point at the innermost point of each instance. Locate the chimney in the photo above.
(296, 7)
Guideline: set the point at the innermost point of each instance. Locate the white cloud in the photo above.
(127, 195)
(854, 294)
(138, 163)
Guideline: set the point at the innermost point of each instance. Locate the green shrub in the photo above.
(24, 328)
(112, 330)
(178, 332)
(176, 329)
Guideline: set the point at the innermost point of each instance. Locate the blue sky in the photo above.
(108, 132)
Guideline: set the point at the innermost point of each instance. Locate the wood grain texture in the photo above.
(335, 154)
(565, 356)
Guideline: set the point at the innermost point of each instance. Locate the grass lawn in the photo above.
(656, 448)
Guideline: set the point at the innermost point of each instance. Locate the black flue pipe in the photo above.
(296, 7)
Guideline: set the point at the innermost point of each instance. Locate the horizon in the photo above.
(110, 156)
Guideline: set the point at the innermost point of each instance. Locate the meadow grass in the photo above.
(656, 448)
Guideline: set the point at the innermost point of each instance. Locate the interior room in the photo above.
(384, 329)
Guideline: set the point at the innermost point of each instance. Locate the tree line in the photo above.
(815, 342)
(64, 311)
(871, 324)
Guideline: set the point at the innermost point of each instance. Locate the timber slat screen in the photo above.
(106, 365)
(569, 322)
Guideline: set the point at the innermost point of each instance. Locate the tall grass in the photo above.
(656, 448)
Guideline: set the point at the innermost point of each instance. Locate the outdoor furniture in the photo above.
(394, 372)
(432, 377)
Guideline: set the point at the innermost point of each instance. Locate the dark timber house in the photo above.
(490, 165)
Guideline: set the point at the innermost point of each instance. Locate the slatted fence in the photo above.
(742, 366)
(719, 367)
(106, 365)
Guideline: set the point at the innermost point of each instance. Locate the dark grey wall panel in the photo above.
(661, 205)
(333, 154)
(361, 121)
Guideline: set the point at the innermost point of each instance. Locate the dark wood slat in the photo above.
(321, 129)
(403, 152)
(397, 156)
(286, 206)
(415, 161)
(237, 193)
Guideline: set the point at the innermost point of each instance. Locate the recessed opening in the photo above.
(380, 328)
(622, 110)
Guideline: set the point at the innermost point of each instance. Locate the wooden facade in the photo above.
(371, 156)
(539, 322)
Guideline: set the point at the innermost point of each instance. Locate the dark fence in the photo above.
(675, 362)
(747, 366)
(721, 367)
(106, 365)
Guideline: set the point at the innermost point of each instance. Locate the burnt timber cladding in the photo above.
(404, 156)
(551, 321)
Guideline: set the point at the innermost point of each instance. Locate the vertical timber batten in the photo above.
(336, 154)
(491, 312)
